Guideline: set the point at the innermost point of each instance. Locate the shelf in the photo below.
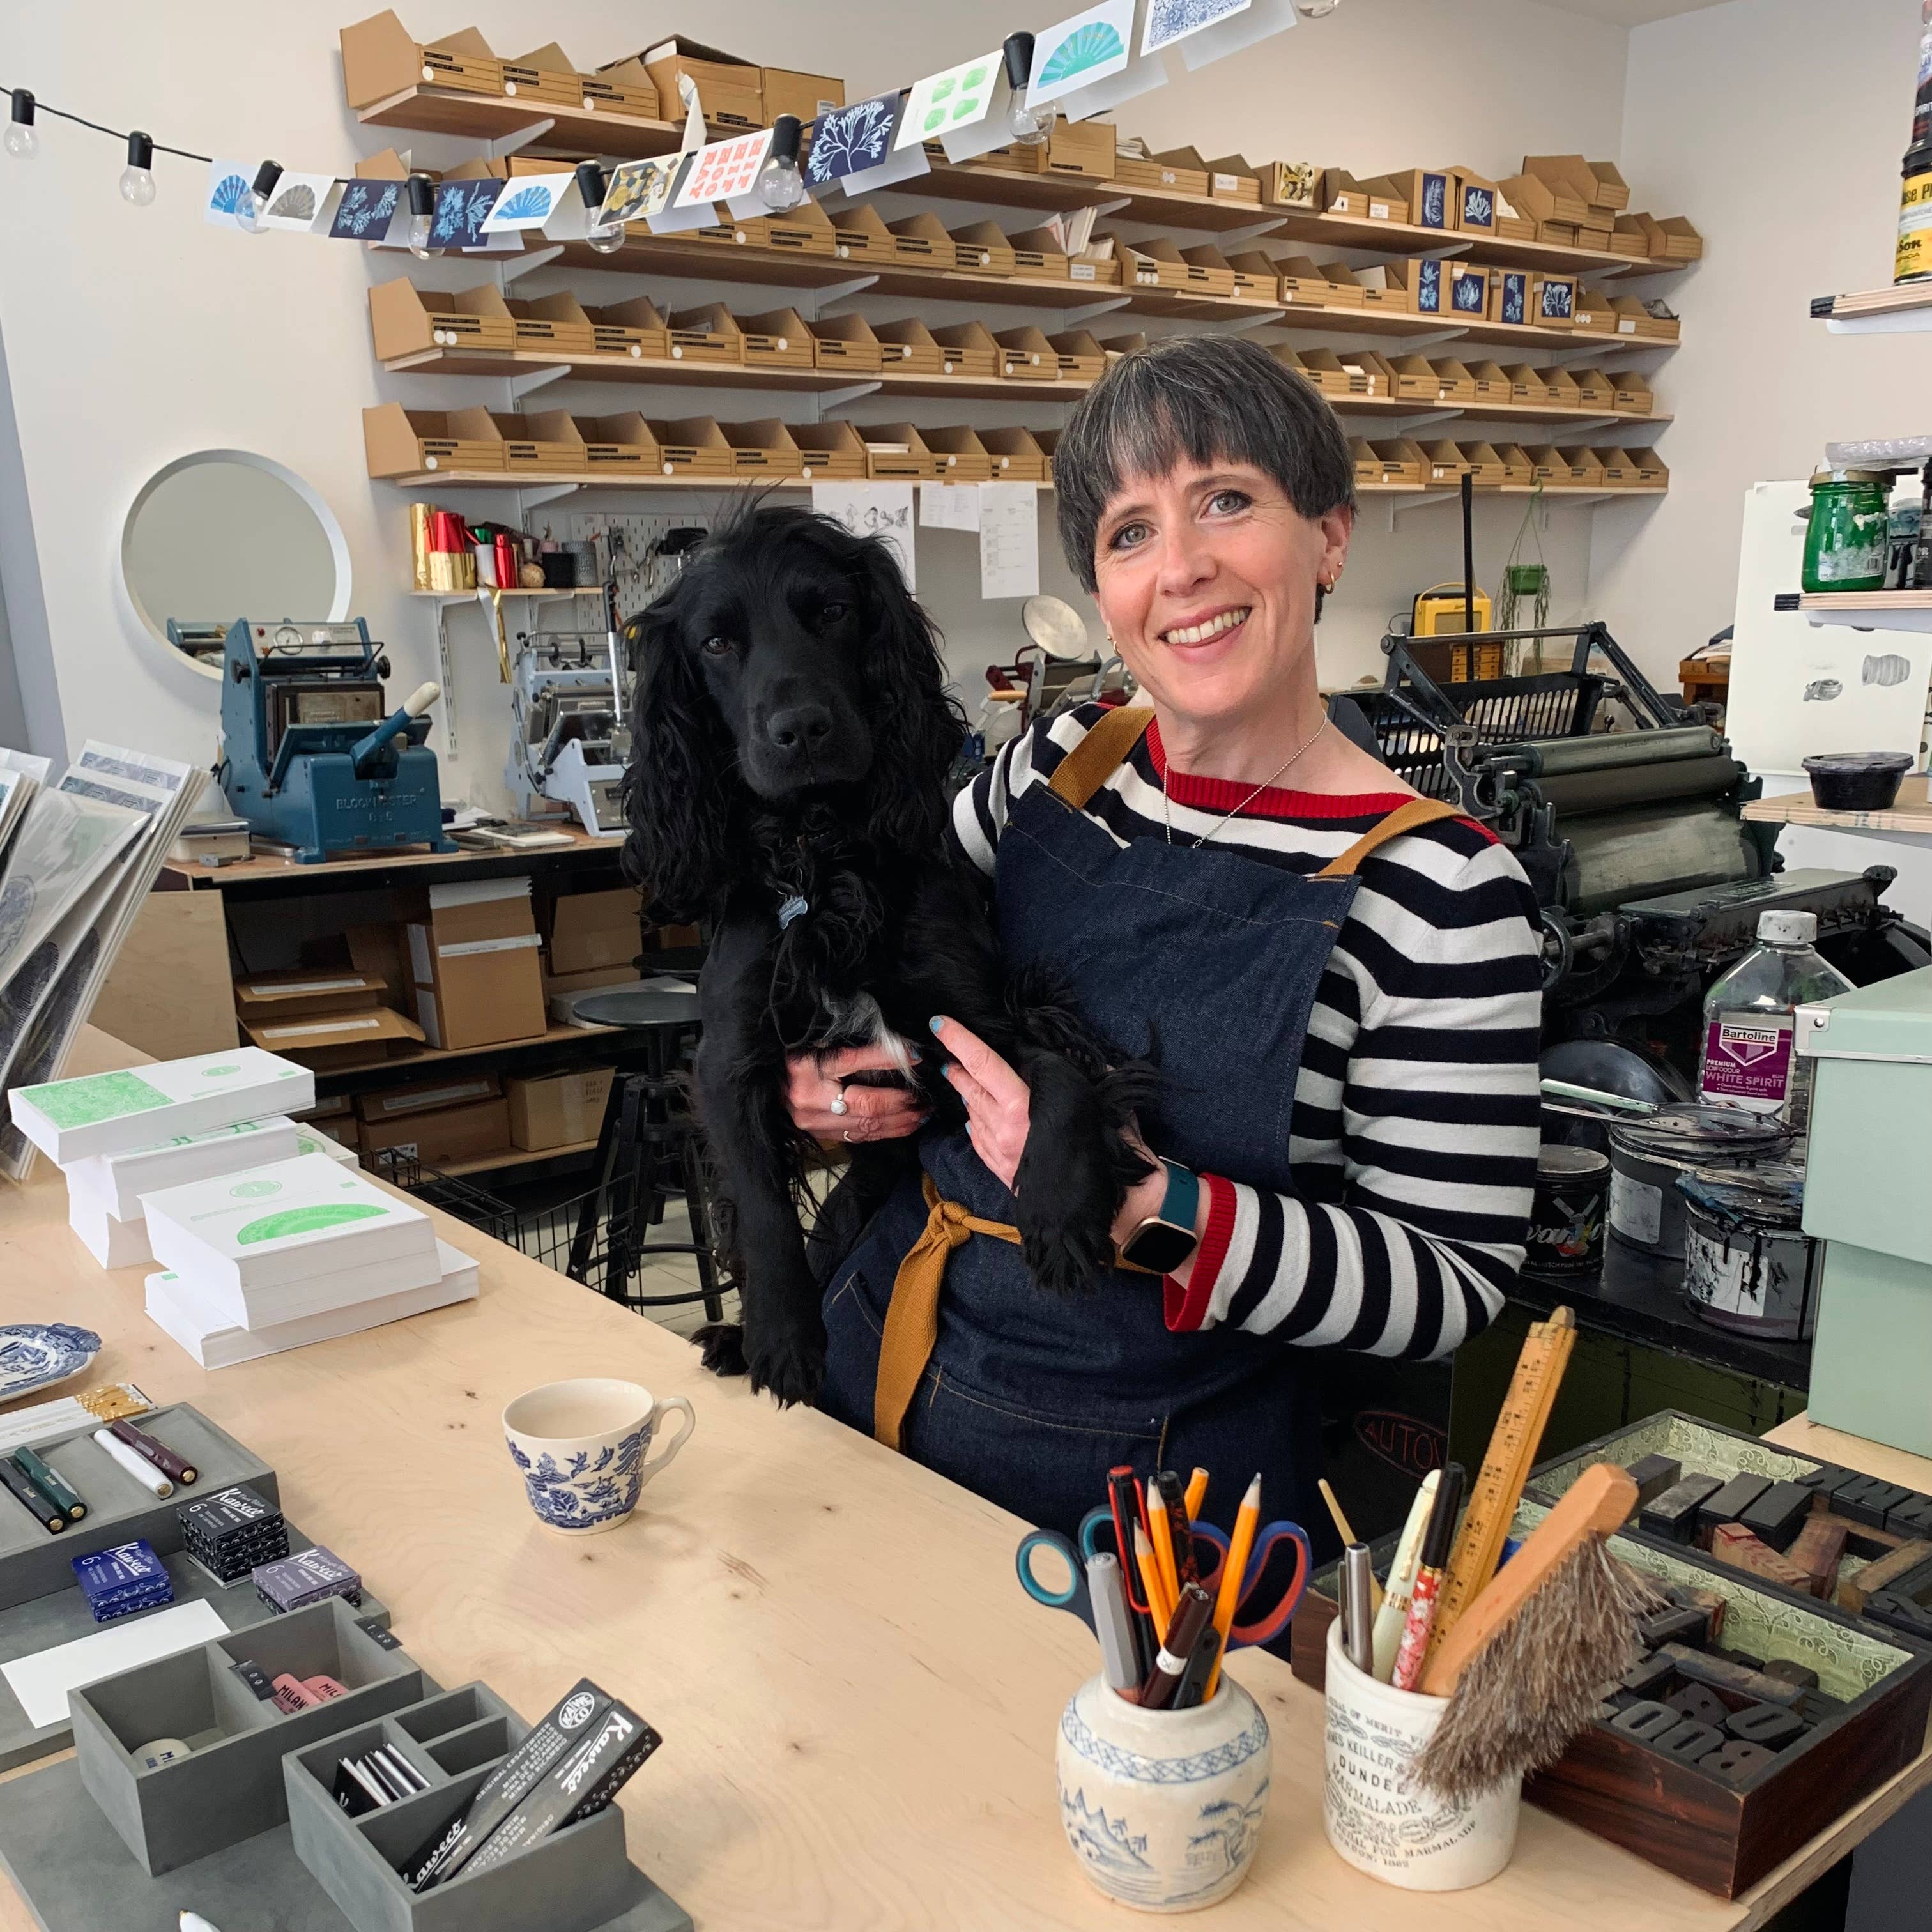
(383, 1072)
(1905, 310)
(491, 1163)
(467, 596)
(1870, 610)
(1910, 817)
(436, 110)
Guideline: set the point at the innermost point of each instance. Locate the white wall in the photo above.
(134, 336)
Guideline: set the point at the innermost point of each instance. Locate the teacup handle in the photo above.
(653, 1464)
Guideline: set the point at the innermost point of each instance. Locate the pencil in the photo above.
(1159, 1608)
(1241, 1545)
(1162, 1537)
(1197, 1493)
(1348, 1537)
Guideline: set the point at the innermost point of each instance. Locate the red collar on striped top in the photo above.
(1211, 794)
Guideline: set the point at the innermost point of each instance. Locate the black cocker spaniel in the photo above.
(791, 741)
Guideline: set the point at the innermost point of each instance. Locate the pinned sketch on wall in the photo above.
(639, 190)
(873, 510)
(1008, 540)
(365, 211)
(462, 207)
(299, 203)
(946, 506)
(848, 140)
(1801, 690)
(1087, 48)
(955, 97)
(726, 169)
(1171, 20)
(528, 201)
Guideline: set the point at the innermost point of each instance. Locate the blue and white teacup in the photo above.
(584, 1449)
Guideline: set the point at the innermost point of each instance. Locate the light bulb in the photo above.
(605, 237)
(254, 201)
(23, 138)
(1028, 124)
(781, 186)
(137, 180)
(422, 213)
(1315, 9)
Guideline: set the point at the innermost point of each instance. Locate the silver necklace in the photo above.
(1167, 810)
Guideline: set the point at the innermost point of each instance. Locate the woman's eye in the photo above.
(1229, 502)
(1127, 536)
(717, 647)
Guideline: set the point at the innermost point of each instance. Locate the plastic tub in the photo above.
(1857, 781)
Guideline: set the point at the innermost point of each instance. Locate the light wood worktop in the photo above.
(858, 1704)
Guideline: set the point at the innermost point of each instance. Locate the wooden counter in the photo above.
(858, 1704)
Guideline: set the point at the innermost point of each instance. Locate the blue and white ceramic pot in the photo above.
(1163, 1808)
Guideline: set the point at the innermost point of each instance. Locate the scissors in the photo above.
(1262, 1626)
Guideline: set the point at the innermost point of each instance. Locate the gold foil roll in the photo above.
(419, 549)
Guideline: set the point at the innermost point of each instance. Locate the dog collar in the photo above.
(792, 908)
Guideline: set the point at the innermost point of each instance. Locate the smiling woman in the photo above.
(1338, 980)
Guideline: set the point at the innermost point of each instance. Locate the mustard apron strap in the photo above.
(1417, 812)
(912, 1317)
(1100, 755)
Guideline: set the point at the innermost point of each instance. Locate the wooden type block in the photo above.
(1867, 1499)
(1653, 1475)
(1713, 1606)
(1731, 1542)
(1722, 1674)
(1825, 1481)
(1911, 1518)
(1648, 1721)
(1699, 1702)
(1675, 1626)
(1690, 1741)
(1778, 1515)
(1673, 1515)
(1816, 1707)
(1770, 1725)
(1728, 1504)
(1788, 1670)
(1855, 1589)
(1644, 1678)
(1900, 1611)
(1815, 1550)
(1736, 1761)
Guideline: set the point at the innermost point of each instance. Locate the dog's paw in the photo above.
(722, 1344)
(790, 1364)
(1065, 1210)
(1066, 1260)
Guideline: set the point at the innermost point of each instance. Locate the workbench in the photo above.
(858, 1703)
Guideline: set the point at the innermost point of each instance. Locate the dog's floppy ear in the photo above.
(917, 729)
(678, 787)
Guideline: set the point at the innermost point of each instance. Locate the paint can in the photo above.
(1847, 540)
(1649, 1152)
(1913, 261)
(1748, 1264)
(1566, 1226)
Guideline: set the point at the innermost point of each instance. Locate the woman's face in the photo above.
(1206, 577)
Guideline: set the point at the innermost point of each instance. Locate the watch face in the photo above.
(1158, 1246)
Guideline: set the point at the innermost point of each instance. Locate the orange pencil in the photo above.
(1197, 1493)
(1160, 1534)
(1241, 1547)
(1160, 1607)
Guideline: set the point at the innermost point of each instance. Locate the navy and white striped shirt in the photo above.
(1413, 1136)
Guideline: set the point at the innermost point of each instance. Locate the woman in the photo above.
(1347, 1125)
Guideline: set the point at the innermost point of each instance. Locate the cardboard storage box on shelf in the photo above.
(779, 338)
(1511, 224)
(1350, 372)
(1257, 276)
(1575, 466)
(831, 452)
(626, 87)
(859, 233)
(1475, 202)
(406, 320)
(556, 322)
(425, 1096)
(1469, 290)
(806, 229)
(1205, 255)
(1518, 470)
(1658, 328)
(962, 457)
(896, 452)
(806, 95)
(1016, 457)
(635, 328)
(1234, 177)
(1292, 185)
(705, 333)
(1037, 253)
(1135, 167)
(1402, 461)
(1651, 473)
(1420, 284)
(1363, 200)
(1491, 381)
(1559, 389)
(474, 964)
(1619, 471)
(1630, 393)
(1156, 262)
(762, 448)
(1629, 238)
(1100, 263)
(1672, 239)
(1415, 379)
(693, 446)
(996, 254)
(1445, 463)
(1510, 295)
(967, 348)
(622, 441)
(1457, 385)
(1368, 464)
(335, 1042)
(1114, 347)
(593, 929)
(1590, 184)
(906, 348)
(1552, 301)
(1526, 385)
(1487, 470)
(298, 992)
(558, 1109)
(1026, 355)
(1082, 147)
(546, 75)
(1048, 440)
(730, 90)
(1429, 193)
(398, 441)
(846, 342)
(1595, 235)
(1595, 390)
(1305, 285)
(1541, 200)
(1078, 357)
(533, 442)
(380, 57)
(442, 1135)
(1593, 313)
(923, 240)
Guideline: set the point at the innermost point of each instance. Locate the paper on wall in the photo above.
(873, 510)
(1171, 20)
(950, 105)
(529, 201)
(1008, 540)
(1238, 33)
(303, 204)
(946, 506)
(1080, 51)
(41, 1680)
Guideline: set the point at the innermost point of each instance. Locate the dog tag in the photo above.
(1764, 1724)
(792, 908)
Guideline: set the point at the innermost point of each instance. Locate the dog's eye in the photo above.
(835, 613)
(717, 647)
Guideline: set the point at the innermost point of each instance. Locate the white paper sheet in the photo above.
(42, 1680)
(1081, 51)
(873, 509)
(1238, 33)
(1008, 540)
(1171, 20)
(947, 506)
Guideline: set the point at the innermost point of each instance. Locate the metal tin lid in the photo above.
(1820, 478)
(1555, 1160)
(1691, 1134)
(1771, 1194)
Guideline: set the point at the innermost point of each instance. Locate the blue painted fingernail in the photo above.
(938, 1020)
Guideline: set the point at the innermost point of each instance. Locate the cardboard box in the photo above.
(780, 338)
(967, 348)
(693, 446)
(1544, 197)
(425, 1096)
(1016, 457)
(1429, 194)
(1593, 312)
(1026, 355)
(1234, 177)
(405, 320)
(1651, 473)
(906, 348)
(961, 456)
(1672, 239)
(1593, 184)
(806, 229)
(333, 1043)
(1292, 185)
(1487, 470)
(762, 448)
(730, 89)
(1491, 382)
(296, 994)
(540, 442)
(557, 323)
(806, 95)
(593, 929)
(635, 328)
(1550, 466)
(1629, 239)
(1188, 170)
(846, 342)
(380, 57)
(1368, 464)
(859, 233)
(1594, 236)
(1353, 372)
(705, 333)
(546, 75)
(624, 442)
(1082, 149)
(1305, 285)
(1402, 461)
(831, 452)
(558, 1109)
(1559, 389)
(987, 240)
(1510, 295)
(1415, 379)
(1079, 358)
(923, 240)
(446, 1134)
(896, 452)
(1372, 200)
(1458, 385)
(1518, 470)
(1257, 276)
(1583, 471)
(1475, 202)
(1630, 393)
(1595, 390)
(1469, 290)
(1037, 252)
(398, 441)
(1100, 263)
(1422, 284)
(1446, 463)
(1553, 301)
(1156, 262)
(474, 966)
(1619, 472)
(626, 87)
(1526, 385)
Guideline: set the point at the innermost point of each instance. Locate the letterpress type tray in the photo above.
(41, 1602)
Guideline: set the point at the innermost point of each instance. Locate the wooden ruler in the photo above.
(1498, 1486)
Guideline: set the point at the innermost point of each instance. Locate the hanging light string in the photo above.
(40, 106)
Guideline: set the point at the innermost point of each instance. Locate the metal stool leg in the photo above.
(698, 1205)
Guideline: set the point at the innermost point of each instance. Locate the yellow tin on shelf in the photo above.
(1914, 262)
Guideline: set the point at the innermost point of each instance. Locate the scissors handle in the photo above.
(1264, 1627)
(1073, 1596)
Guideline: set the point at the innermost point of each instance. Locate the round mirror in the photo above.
(223, 534)
(1055, 626)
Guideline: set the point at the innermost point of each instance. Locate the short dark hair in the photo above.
(1200, 397)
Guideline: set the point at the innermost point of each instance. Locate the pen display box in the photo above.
(578, 1879)
(226, 1789)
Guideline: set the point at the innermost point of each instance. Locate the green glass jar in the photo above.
(1845, 543)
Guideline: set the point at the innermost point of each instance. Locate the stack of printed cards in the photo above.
(378, 1778)
(118, 1582)
(293, 1583)
(231, 1535)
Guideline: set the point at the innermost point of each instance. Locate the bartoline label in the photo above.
(1748, 1062)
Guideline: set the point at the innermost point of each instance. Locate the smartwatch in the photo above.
(1165, 1240)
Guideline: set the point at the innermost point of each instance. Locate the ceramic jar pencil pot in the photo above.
(1163, 1808)
(1379, 1816)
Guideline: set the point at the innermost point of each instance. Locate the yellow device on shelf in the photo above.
(1439, 611)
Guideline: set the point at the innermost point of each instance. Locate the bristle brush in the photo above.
(1523, 1669)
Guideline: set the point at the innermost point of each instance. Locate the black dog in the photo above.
(792, 739)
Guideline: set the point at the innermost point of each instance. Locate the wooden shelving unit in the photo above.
(429, 109)
(1904, 309)
(509, 1157)
(1908, 817)
(1870, 610)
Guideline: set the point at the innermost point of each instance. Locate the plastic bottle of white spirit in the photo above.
(1748, 1060)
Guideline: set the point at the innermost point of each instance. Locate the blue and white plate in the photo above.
(37, 1354)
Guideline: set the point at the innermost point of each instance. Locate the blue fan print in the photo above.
(527, 204)
(1091, 47)
(228, 191)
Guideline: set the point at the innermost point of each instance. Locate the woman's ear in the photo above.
(917, 729)
(678, 786)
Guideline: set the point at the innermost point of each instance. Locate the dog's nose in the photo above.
(801, 727)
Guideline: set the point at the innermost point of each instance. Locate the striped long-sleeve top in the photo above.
(1413, 1138)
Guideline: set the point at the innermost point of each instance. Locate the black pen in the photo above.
(53, 1520)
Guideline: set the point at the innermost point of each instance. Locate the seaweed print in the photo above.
(364, 205)
(850, 139)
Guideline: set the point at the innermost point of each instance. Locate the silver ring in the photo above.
(839, 1106)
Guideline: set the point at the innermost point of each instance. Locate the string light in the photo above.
(137, 178)
(422, 213)
(781, 186)
(1028, 125)
(606, 237)
(23, 140)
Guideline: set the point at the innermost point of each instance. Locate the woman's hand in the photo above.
(822, 1105)
(998, 1105)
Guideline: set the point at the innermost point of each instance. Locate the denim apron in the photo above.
(1030, 1398)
